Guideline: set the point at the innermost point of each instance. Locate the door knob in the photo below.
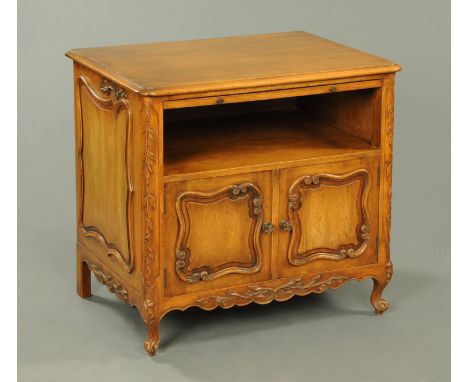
(286, 225)
(268, 227)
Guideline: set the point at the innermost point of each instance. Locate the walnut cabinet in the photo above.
(221, 172)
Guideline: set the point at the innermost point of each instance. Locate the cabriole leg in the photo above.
(380, 304)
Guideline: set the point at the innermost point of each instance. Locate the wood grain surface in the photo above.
(221, 63)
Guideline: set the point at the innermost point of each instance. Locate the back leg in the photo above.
(83, 278)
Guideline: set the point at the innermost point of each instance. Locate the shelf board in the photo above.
(254, 142)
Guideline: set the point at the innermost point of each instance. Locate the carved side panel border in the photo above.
(115, 104)
(295, 204)
(183, 254)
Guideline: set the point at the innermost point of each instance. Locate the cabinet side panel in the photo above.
(105, 188)
(107, 177)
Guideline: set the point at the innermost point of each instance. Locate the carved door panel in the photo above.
(328, 217)
(223, 235)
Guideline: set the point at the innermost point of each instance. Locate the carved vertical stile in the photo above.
(386, 167)
(149, 120)
(380, 282)
(149, 196)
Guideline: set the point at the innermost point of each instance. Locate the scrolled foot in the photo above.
(152, 339)
(380, 305)
(151, 347)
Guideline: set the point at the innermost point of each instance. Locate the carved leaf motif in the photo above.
(148, 304)
(148, 312)
(389, 271)
(112, 285)
(265, 294)
(149, 199)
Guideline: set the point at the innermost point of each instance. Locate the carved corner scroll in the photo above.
(108, 88)
(183, 254)
(295, 204)
(116, 105)
(264, 295)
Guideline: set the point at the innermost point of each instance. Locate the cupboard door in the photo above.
(328, 217)
(223, 234)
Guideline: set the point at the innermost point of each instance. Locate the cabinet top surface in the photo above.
(216, 64)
